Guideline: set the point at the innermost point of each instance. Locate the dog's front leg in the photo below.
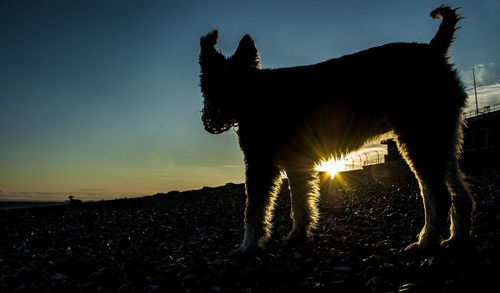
(262, 183)
(304, 187)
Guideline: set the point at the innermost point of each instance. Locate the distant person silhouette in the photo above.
(74, 201)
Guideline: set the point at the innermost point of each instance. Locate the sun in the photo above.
(332, 166)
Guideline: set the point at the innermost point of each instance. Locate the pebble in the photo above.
(406, 287)
(59, 277)
(297, 256)
(152, 288)
(342, 268)
(188, 277)
(373, 282)
(220, 262)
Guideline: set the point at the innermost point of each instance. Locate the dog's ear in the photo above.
(247, 52)
(209, 56)
(209, 41)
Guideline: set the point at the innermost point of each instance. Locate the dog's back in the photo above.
(362, 94)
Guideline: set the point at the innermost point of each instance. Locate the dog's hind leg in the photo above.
(429, 165)
(262, 186)
(462, 205)
(304, 187)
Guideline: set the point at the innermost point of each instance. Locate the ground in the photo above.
(180, 242)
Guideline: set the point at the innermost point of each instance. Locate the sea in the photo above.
(10, 205)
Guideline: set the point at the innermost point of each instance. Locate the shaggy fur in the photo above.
(290, 118)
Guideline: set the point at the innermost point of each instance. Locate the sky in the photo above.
(100, 98)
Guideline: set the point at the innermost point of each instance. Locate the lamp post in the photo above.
(475, 93)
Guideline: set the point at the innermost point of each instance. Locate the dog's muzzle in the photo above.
(216, 124)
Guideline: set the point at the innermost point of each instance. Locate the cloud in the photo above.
(228, 166)
(487, 85)
(486, 96)
(32, 196)
(486, 74)
(92, 190)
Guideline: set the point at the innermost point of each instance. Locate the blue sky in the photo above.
(100, 98)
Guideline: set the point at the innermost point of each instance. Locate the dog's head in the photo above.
(223, 80)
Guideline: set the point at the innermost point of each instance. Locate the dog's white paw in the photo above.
(421, 248)
(245, 250)
(251, 241)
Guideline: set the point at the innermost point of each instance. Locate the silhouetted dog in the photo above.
(290, 118)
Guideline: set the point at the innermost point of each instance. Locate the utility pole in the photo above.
(475, 93)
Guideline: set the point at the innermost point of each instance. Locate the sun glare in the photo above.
(332, 166)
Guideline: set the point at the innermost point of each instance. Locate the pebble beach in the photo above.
(182, 242)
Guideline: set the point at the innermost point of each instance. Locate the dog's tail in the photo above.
(446, 33)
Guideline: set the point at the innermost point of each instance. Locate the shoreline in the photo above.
(7, 205)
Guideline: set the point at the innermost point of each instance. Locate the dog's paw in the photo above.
(414, 248)
(419, 249)
(245, 251)
(296, 238)
(457, 243)
(236, 253)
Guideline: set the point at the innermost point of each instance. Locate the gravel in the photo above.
(181, 242)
